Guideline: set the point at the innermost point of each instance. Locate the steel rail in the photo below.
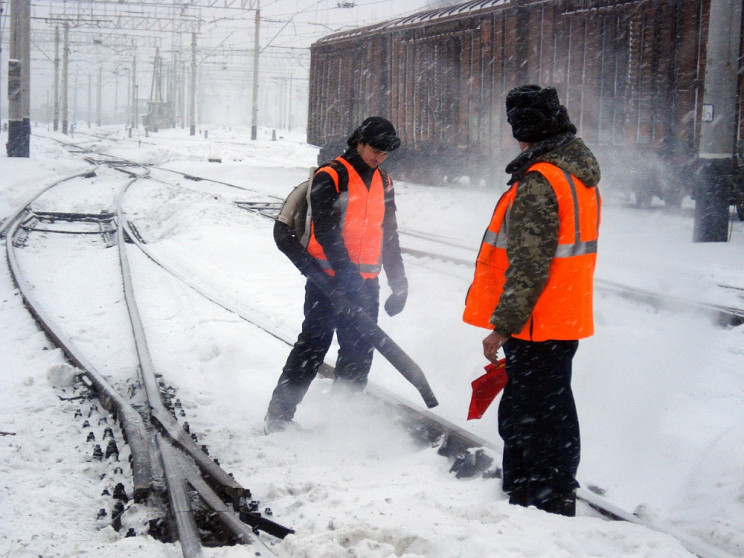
(133, 425)
(160, 415)
(147, 444)
(183, 515)
(181, 511)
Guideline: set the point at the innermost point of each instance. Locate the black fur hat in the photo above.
(376, 132)
(536, 114)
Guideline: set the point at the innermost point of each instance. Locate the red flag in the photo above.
(486, 388)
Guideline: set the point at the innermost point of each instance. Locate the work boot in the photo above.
(561, 505)
(519, 497)
(273, 424)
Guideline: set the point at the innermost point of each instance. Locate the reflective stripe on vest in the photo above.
(362, 213)
(577, 248)
(564, 308)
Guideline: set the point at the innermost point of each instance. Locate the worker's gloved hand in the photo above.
(347, 295)
(396, 302)
(351, 284)
(340, 301)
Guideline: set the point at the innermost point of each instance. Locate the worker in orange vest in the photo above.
(533, 289)
(353, 236)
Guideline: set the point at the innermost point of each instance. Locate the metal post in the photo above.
(2, 13)
(65, 78)
(173, 93)
(192, 100)
(75, 101)
(718, 127)
(129, 97)
(98, 96)
(182, 95)
(19, 79)
(135, 115)
(289, 117)
(116, 93)
(254, 108)
(56, 79)
(90, 99)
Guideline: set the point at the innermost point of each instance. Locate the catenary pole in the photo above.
(19, 79)
(90, 98)
(718, 126)
(135, 107)
(65, 78)
(192, 99)
(98, 96)
(56, 79)
(254, 107)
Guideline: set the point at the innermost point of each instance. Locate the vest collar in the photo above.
(530, 156)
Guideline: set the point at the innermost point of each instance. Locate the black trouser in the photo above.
(538, 421)
(354, 353)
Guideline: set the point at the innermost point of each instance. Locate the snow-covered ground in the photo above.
(660, 391)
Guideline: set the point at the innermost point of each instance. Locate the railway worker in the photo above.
(354, 235)
(533, 289)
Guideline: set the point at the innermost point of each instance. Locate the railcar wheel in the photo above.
(643, 199)
(674, 199)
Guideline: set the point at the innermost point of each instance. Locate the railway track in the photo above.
(170, 471)
(465, 450)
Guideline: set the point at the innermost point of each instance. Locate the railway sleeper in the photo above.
(212, 484)
(265, 209)
(113, 473)
(98, 224)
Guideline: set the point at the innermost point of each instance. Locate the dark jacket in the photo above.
(533, 225)
(327, 222)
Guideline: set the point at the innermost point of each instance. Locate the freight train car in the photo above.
(631, 73)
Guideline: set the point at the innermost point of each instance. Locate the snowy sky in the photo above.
(659, 390)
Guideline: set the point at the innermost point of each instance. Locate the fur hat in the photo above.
(376, 132)
(536, 114)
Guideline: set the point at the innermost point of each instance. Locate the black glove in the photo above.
(396, 302)
(351, 283)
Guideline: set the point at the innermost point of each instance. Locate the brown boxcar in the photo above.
(631, 73)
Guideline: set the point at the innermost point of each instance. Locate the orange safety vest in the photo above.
(362, 213)
(564, 309)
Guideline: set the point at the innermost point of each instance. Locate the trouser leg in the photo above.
(538, 421)
(355, 351)
(513, 474)
(305, 357)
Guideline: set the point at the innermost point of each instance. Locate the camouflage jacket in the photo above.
(533, 226)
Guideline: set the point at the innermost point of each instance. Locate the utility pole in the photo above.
(129, 98)
(718, 128)
(254, 108)
(90, 99)
(65, 78)
(116, 93)
(135, 108)
(56, 78)
(19, 79)
(192, 100)
(182, 95)
(2, 11)
(98, 97)
(75, 117)
(289, 116)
